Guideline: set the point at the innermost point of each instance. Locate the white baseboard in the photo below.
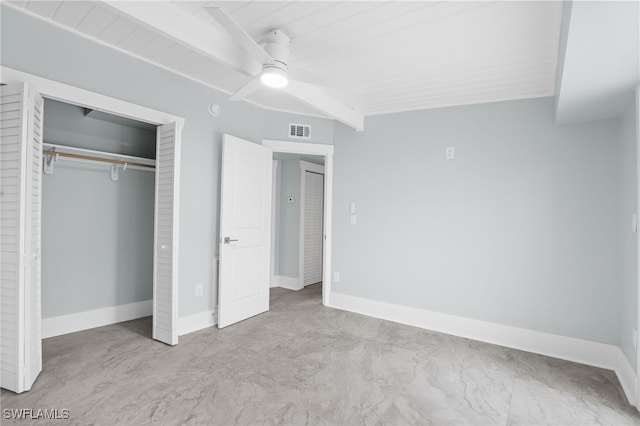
(568, 348)
(71, 323)
(196, 322)
(627, 377)
(291, 283)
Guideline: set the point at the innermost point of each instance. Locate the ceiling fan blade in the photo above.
(237, 32)
(317, 97)
(253, 85)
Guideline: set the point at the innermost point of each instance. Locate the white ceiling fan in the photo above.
(274, 57)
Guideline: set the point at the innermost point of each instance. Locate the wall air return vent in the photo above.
(299, 131)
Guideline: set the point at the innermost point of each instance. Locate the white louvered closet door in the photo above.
(313, 223)
(20, 184)
(33, 349)
(165, 259)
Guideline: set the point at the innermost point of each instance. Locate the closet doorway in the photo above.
(21, 166)
(97, 218)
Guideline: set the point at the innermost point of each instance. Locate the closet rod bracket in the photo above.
(50, 157)
(115, 170)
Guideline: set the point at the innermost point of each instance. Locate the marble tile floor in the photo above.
(303, 363)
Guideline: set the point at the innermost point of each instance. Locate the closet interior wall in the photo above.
(97, 233)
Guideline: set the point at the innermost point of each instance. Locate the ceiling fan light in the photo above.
(274, 77)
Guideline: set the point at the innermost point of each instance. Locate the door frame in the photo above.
(306, 148)
(274, 219)
(51, 89)
(637, 236)
(305, 166)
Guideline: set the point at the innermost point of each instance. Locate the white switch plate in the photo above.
(354, 219)
(336, 277)
(450, 153)
(199, 290)
(352, 207)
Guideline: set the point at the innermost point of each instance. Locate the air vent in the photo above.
(300, 131)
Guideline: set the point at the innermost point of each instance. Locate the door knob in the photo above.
(227, 240)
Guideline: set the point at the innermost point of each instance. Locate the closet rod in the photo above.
(91, 158)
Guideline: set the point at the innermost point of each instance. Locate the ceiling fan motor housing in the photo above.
(276, 43)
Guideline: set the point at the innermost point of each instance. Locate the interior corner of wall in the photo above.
(562, 52)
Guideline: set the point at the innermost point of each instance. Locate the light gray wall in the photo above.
(31, 45)
(629, 255)
(288, 225)
(520, 229)
(97, 238)
(316, 159)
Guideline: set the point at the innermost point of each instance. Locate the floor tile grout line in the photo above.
(513, 385)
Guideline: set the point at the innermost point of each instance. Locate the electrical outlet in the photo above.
(450, 153)
(336, 277)
(199, 290)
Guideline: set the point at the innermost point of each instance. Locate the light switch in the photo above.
(353, 219)
(352, 208)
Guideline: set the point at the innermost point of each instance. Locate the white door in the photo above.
(313, 221)
(165, 257)
(20, 184)
(245, 230)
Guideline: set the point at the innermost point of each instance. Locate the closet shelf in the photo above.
(89, 155)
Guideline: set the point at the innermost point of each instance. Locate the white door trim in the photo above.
(274, 219)
(304, 167)
(56, 90)
(327, 152)
(63, 92)
(636, 397)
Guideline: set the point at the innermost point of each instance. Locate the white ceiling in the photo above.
(378, 56)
